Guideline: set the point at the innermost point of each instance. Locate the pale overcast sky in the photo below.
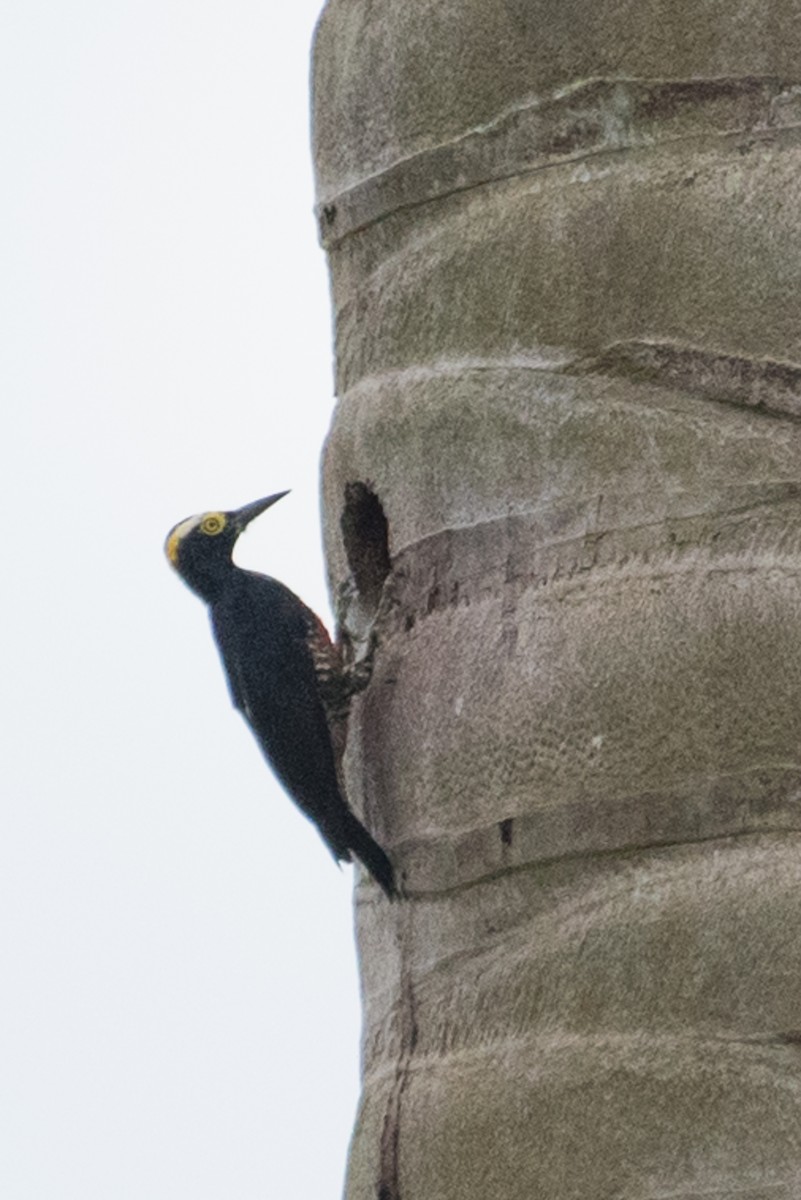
(179, 1011)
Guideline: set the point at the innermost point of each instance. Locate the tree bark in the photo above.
(562, 487)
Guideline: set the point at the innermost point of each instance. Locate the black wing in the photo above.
(263, 633)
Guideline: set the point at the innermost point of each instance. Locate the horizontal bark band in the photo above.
(593, 117)
(758, 801)
(559, 652)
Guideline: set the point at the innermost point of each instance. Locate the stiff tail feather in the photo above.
(368, 852)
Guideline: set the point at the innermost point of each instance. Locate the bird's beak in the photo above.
(243, 516)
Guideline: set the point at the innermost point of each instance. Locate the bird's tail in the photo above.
(368, 851)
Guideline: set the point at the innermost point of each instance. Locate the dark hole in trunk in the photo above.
(365, 534)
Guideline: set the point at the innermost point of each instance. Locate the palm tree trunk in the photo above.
(563, 486)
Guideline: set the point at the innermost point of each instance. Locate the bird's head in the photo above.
(200, 548)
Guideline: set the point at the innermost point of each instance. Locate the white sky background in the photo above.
(179, 1010)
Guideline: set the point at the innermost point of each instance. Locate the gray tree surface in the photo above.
(563, 485)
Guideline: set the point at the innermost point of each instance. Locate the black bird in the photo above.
(284, 673)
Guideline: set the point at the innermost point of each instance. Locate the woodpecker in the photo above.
(284, 673)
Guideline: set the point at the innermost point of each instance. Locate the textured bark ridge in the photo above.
(563, 489)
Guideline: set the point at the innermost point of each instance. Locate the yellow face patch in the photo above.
(209, 523)
(171, 547)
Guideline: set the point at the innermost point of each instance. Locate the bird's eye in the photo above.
(213, 524)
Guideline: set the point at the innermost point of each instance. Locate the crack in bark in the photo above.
(505, 830)
(388, 1184)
